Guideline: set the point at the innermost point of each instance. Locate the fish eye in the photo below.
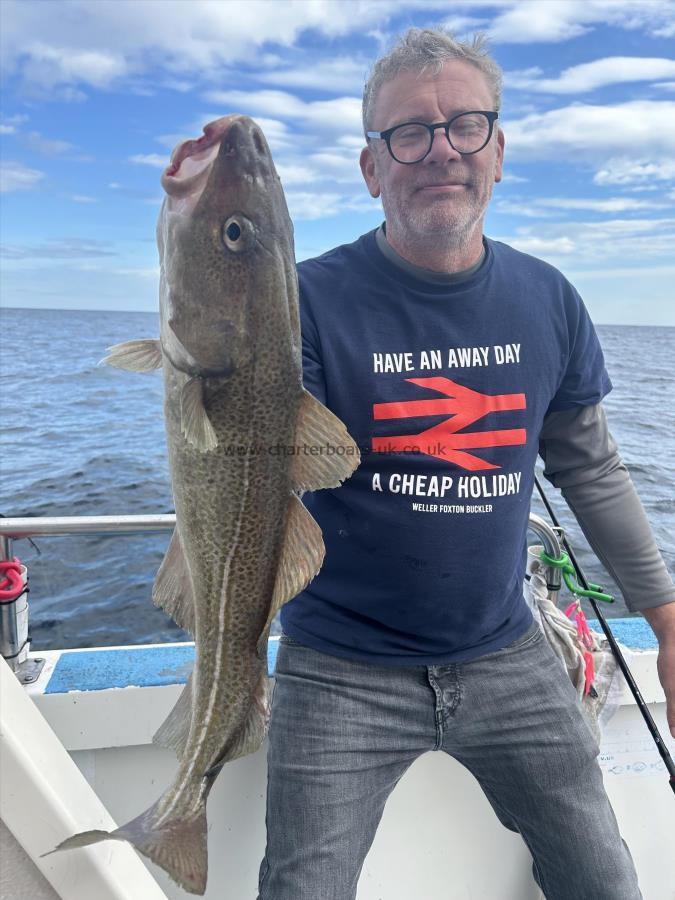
(238, 233)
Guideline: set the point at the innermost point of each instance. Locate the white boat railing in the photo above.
(14, 528)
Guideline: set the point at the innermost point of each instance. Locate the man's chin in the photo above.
(430, 225)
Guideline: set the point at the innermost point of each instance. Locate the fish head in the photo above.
(223, 227)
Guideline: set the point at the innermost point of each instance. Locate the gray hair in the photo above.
(426, 50)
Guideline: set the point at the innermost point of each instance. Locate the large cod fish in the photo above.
(239, 429)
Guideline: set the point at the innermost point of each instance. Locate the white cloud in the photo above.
(295, 173)
(46, 146)
(122, 190)
(612, 205)
(9, 123)
(150, 159)
(339, 167)
(511, 178)
(68, 248)
(151, 272)
(592, 132)
(83, 198)
(546, 247)
(341, 114)
(628, 171)
(668, 30)
(62, 46)
(18, 119)
(336, 75)
(316, 205)
(96, 44)
(15, 176)
(554, 21)
(630, 271)
(48, 65)
(461, 24)
(523, 208)
(589, 76)
(666, 85)
(544, 207)
(611, 241)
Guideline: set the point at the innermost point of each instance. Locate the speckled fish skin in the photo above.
(244, 543)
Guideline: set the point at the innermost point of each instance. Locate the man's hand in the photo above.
(662, 620)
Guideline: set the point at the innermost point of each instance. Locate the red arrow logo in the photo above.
(465, 407)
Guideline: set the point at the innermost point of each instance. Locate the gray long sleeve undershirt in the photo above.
(581, 459)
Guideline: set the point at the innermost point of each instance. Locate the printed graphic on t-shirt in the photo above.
(453, 439)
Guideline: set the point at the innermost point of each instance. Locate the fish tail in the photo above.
(178, 845)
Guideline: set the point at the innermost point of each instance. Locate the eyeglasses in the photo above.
(410, 142)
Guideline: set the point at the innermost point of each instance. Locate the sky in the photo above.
(96, 93)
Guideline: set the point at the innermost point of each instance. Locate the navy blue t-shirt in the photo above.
(444, 388)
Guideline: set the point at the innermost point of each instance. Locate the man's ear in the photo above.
(367, 163)
(500, 155)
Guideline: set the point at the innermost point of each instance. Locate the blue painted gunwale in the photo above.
(98, 670)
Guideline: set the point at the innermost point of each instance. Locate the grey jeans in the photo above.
(343, 733)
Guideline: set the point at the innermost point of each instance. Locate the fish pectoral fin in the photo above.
(172, 590)
(135, 356)
(301, 558)
(338, 457)
(194, 421)
(174, 730)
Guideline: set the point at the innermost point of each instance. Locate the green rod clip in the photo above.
(569, 574)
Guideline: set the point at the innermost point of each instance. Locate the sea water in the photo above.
(77, 438)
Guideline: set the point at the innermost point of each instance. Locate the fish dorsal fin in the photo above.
(301, 557)
(136, 356)
(194, 421)
(172, 590)
(338, 455)
(174, 731)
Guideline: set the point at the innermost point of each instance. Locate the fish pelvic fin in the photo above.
(302, 554)
(194, 420)
(172, 590)
(174, 731)
(179, 846)
(135, 356)
(318, 427)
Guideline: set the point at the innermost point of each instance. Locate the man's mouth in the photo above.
(444, 186)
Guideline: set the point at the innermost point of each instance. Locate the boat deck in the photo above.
(438, 840)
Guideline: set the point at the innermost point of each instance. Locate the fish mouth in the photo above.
(236, 138)
(191, 160)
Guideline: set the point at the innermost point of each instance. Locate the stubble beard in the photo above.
(451, 221)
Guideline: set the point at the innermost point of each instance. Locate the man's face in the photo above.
(445, 194)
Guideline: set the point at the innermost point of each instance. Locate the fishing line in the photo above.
(635, 691)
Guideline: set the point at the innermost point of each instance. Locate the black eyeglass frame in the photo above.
(489, 114)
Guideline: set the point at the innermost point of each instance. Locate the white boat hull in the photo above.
(438, 839)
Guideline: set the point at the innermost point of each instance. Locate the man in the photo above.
(452, 359)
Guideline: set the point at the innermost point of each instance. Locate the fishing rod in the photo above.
(635, 690)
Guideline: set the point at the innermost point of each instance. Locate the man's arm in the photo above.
(581, 459)
(662, 620)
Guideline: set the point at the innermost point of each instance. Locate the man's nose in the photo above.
(441, 149)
